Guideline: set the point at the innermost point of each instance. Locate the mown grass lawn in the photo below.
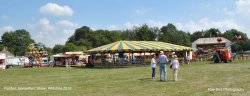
(200, 79)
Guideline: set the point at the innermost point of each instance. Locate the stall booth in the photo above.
(59, 60)
(72, 58)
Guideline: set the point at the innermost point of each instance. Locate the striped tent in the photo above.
(138, 46)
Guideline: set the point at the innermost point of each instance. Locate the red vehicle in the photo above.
(224, 54)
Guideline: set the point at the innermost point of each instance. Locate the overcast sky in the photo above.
(54, 21)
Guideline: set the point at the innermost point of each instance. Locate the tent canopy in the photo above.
(139, 46)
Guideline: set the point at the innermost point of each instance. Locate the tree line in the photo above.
(85, 38)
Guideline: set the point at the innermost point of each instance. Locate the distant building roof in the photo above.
(212, 40)
(8, 54)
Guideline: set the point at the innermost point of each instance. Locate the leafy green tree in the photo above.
(101, 38)
(2, 46)
(82, 32)
(57, 49)
(84, 37)
(128, 35)
(196, 35)
(82, 48)
(185, 38)
(170, 35)
(114, 36)
(144, 33)
(69, 47)
(17, 41)
(212, 32)
(233, 34)
(49, 50)
(242, 45)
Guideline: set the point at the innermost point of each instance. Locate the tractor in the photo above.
(224, 54)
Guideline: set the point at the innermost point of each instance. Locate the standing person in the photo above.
(153, 65)
(188, 60)
(175, 65)
(163, 64)
(66, 62)
(69, 62)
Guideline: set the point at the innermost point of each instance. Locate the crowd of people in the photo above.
(162, 61)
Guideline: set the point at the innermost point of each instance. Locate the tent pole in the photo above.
(144, 59)
(140, 57)
(113, 59)
(186, 54)
(101, 60)
(132, 56)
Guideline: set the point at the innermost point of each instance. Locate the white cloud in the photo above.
(6, 29)
(66, 23)
(112, 27)
(43, 25)
(129, 25)
(50, 33)
(228, 12)
(70, 32)
(205, 23)
(140, 12)
(192, 26)
(4, 17)
(154, 23)
(56, 10)
(243, 6)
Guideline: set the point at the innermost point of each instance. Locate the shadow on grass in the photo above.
(146, 79)
(156, 80)
(105, 67)
(165, 81)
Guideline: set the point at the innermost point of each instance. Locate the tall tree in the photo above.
(196, 35)
(57, 49)
(69, 47)
(170, 35)
(242, 45)
(82, 37)
(233, 34)
(212, 32)
(17, 41)
(128, 35)
(144, 33)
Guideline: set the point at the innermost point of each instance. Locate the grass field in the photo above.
(200, 79)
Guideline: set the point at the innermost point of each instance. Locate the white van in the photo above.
(17, 61)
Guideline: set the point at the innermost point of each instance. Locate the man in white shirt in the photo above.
(163, 64)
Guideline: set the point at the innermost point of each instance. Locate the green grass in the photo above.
(193, 81)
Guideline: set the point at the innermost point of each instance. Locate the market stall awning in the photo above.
(137, 46)
(74, 53)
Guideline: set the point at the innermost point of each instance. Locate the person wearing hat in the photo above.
(153, 65)
(162, 60)
(175, 65)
